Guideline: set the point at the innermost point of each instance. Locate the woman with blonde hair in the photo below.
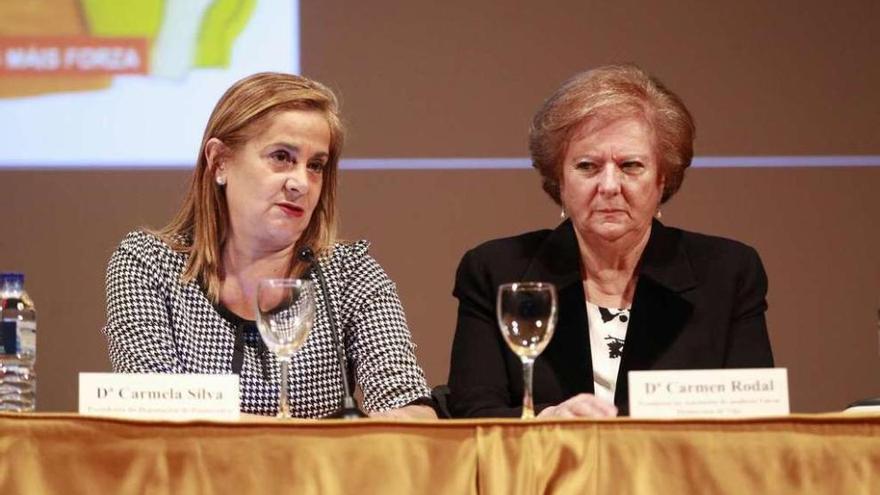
(181, 299)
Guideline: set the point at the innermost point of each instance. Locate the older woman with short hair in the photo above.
(611, 145)
(182, 300)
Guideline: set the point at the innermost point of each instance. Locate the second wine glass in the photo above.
(285, 315)
(527, 317)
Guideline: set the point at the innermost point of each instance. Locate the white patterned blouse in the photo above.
(157, 324)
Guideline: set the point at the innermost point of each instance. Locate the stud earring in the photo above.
(659, 214)
(221, 181)
(562, 213)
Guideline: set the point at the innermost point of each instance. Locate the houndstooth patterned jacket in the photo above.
(157, 324)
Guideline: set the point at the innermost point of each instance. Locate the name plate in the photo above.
(708, 393)
(159, 396)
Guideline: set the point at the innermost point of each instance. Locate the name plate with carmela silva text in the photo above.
(159, 396)
(708, 393)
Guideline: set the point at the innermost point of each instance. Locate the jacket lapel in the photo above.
(659, 310)
(557, 261)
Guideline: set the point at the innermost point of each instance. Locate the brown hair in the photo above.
(610, 92)
(201, 226)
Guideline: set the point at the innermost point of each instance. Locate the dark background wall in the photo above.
(462, 79)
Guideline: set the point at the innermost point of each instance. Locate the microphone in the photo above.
(348, 408)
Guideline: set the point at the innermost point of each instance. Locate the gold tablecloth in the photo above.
(67, 453)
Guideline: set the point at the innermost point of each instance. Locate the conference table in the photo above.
(69, 453)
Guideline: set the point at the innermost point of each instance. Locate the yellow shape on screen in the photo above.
(140, 19)
(223, 22)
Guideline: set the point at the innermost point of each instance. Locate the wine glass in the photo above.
(285, 314)
(527, 317)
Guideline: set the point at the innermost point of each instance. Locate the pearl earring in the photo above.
(221, 181)
(562, 213)
(659, 214)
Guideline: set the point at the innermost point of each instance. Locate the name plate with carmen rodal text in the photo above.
(159, 396)
(721, 393)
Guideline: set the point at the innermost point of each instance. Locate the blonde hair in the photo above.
(201, 226)
(611, 92)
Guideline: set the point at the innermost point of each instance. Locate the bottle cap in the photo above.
(11, 278)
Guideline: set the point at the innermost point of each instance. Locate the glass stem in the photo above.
(283, 402)
(528, 410)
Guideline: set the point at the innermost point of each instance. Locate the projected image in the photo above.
(119, 83)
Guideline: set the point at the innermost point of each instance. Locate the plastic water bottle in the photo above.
(18, 329)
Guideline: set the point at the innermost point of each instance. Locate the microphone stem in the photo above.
(349, 408)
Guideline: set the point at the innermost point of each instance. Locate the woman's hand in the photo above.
(406, 412)
(581, 406)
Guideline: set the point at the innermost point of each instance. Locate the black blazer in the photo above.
(699, 303)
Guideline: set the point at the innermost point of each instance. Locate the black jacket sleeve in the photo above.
(481, 366)
(748, 345)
